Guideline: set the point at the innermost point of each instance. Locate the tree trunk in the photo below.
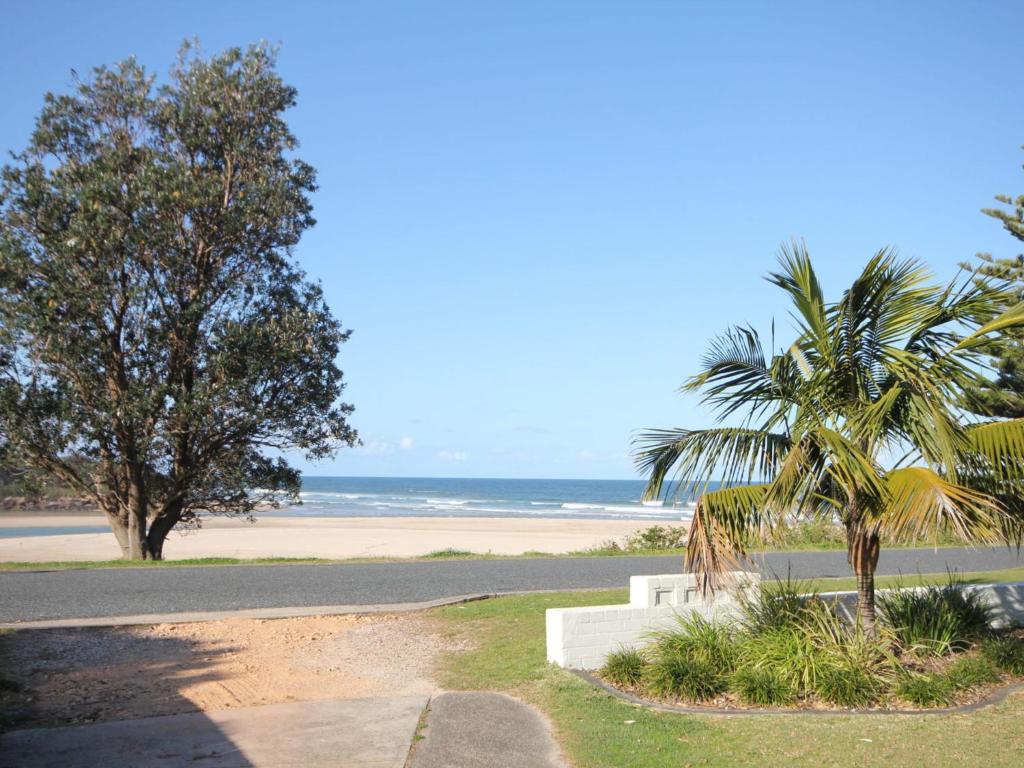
(162, 525)
(120, 529)
(862, 552)
(138, 510)
(138, 547)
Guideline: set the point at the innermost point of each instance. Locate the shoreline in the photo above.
(321, 537)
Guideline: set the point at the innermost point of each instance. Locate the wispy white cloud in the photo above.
(453, 455)
(406, 443)
(376, 447)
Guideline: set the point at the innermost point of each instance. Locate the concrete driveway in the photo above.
(363, 733)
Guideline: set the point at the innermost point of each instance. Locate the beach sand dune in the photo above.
(324, 537)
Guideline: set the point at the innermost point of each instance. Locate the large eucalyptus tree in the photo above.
(858, 420)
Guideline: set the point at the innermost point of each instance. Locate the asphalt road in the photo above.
(30, 596)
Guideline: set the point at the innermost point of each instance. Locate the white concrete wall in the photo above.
(581, 638)
(1006, 600)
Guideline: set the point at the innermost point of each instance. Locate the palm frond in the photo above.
(849, 467)
(1011, 318)
(694, 456)
(1001, 444)
(723, 522)
(920, 503)
(798, 278)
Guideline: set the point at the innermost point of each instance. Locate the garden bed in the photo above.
(995, 694)
(790, 651)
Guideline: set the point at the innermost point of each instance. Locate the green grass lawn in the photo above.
(507, 653)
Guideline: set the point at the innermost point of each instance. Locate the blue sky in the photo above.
(535, 214)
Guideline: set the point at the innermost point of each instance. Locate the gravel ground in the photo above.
(89, 675)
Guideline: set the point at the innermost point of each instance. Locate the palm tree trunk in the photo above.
(862, 553)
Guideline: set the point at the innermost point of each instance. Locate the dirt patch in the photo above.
(87, 675)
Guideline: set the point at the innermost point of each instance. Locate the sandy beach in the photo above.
(325, 537)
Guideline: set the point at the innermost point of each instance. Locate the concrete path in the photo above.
(359, 733)
(484, 730)
(34, 596)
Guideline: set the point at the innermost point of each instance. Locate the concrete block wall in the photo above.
(1006, 601)
(581, 638)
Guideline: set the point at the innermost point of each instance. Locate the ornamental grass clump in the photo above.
(624, 667)
(1006, 653)
(762, 688)
(972, 671)
(925, 690)
(680, 677)
(774, 605)
(816, 653)
(692, 661)
(846, 685)
(936, 620)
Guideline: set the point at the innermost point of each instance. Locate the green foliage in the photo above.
(805, 426)
(971, 671)
(800, 640)
(156, 337)
(936, 619)
(624, 667)
(681, 677)
(791, 653)
(847, 686)
(1004, 396)
(1006, 653)
(657, 537)
(762, 688)
(806, 534)
(692, 661)
(698, 638)
(775, 605)
(925, 690)
(448, 554)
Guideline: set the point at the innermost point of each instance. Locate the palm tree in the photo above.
(861, 420)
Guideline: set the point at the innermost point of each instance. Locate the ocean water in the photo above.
(474, 497)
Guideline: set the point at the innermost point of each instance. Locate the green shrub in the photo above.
(813, 651)
(698, 638)
(847, 685)
(692, 661)
(808, 534)
(624, 667)
(925, 690)
(789, 653)
(971, 671)
(936, 620)
(657, 537)
(762, 688)
(1006, 653)
(679, 677)
(775, 605)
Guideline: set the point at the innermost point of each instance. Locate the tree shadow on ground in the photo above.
(119, 683)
